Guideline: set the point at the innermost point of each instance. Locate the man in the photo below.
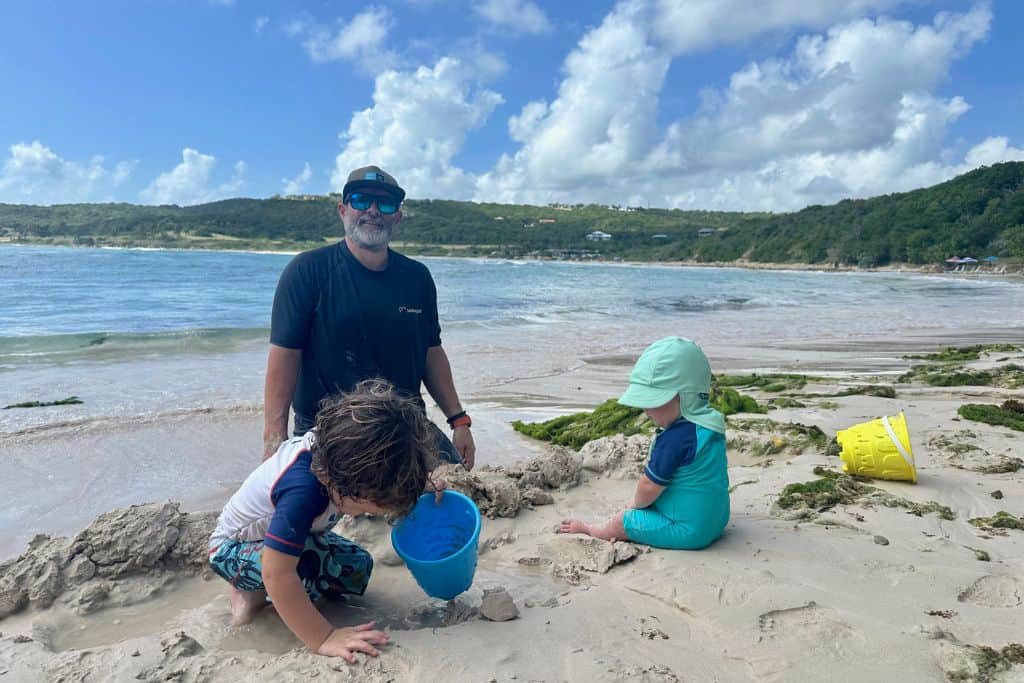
(355, 310)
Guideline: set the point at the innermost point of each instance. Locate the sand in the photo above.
(856, 592)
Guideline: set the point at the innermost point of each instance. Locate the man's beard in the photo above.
(371, 238)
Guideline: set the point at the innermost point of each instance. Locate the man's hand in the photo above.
(462, 438)
(346, 642)
(271, 444)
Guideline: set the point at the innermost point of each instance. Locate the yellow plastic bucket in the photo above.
(879, 449)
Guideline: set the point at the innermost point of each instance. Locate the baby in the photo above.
(682, 499)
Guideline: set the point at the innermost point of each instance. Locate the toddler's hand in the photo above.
(436, 484)
(345, 642)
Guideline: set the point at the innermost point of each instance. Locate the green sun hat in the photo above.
(669, 367)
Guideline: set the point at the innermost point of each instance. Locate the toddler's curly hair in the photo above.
(374, 444)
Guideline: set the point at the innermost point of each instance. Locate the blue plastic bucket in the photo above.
(438, 542)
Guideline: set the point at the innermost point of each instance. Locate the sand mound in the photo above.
(616, 457)
(152, 541)
(503, 491)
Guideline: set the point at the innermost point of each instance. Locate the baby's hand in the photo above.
(345, 642)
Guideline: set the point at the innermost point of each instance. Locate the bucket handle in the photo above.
(896, 441)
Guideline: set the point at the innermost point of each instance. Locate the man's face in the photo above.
(369, 228)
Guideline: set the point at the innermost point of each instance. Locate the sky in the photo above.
(752, 105)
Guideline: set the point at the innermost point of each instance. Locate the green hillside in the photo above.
(980, 213)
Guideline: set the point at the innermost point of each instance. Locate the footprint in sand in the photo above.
(816, 626)
(994, 591)
(809, 628)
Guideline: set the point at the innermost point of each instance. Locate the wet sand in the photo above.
(853, 592)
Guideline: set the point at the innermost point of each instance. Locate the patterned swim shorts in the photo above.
(329, 566)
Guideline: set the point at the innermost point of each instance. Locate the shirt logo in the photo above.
(409, 309)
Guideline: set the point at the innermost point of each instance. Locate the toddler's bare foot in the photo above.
(573, 526)
(245, 605)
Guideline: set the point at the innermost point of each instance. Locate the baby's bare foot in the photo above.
(573, 526)
(245, 605)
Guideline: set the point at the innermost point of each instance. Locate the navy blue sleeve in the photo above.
(294, 303)
(432, 331)
(298, 498)
(674, 448)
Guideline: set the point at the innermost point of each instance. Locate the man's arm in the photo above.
(437, 377)
(282, 375)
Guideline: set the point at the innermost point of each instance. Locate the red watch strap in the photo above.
(462, 421)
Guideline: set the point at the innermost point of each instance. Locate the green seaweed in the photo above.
(985, 663)
(1000, 520)
(772, 382)
(834, 488)
(729, 402)
(70, 400)
(965, 455)
(577, 429)
(1009, 414)
(955, 354)
(785, 402)
(1009, 376)
(775, 438)
(878, 390)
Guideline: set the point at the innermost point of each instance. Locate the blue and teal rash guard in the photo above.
(692, 511)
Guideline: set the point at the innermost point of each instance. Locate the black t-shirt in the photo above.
(353, 323)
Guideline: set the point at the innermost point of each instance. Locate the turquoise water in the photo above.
(139, 332)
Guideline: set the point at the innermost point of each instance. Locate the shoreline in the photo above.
(1016, 273)
(174, 445)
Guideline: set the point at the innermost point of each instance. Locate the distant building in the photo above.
(499, 218)
(598, 236)
(706, 232)
(659, 236)
(546, 220)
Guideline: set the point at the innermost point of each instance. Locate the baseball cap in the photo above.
(671, 366)
(373, 177)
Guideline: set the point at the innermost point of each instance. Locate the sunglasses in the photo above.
(362, 202)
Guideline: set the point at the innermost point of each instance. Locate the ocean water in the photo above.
(138, 333)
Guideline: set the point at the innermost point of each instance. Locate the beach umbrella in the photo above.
(968, 259)
(954, 259)
(991, 259)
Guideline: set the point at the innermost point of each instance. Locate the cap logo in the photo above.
(372, 175)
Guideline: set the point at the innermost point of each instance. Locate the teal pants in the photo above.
(703, 524)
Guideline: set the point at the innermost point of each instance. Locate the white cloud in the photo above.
(297, 184)
(190, 181)
(418, 122)
(850, 112)
(261, 23)
(360, 40)
(35, 174)
(698, 25)
(223, 3)
(522, 127)
(521, 16)
(605, 114)
(991, 151)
